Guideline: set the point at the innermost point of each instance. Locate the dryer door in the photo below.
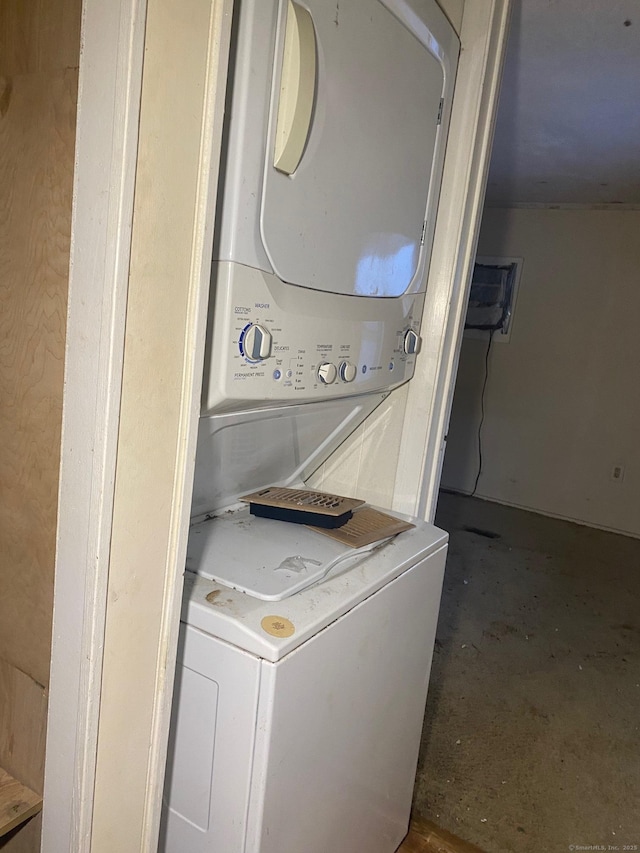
(350, 218)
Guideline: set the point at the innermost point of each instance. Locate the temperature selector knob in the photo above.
(256, 343)
(412, 342)
(327, 373)
(347, 371)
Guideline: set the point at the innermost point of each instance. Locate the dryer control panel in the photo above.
(275, 343)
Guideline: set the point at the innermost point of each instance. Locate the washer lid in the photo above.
(267, 559)
(351, 218)
(272, 629)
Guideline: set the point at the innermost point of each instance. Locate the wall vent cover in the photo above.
(492, 295)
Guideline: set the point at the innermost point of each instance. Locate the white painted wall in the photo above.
(562, 405)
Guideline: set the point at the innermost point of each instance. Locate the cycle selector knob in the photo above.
(327, 373)
(257, 342)
(412, 341)
(347, 371)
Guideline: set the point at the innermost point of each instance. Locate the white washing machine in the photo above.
(304, 664)
(297, 722)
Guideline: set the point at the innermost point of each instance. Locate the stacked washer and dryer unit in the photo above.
(303, 664)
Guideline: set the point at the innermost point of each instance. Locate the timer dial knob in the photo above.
(257, 343)
(327, 373)
(347, 371)
(412, 342)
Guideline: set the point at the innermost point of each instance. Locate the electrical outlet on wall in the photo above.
(617, 473)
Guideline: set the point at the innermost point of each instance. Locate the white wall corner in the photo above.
(560, 404)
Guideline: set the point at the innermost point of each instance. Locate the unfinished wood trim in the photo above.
(39, 55)
(17, 803)
(24, 838)
(186, 55)
(38, 91)
(39, 37)
(425, 837)
(430, 393)
(106, 144)
(23, 719)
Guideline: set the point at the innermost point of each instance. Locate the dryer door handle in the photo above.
(297, 89)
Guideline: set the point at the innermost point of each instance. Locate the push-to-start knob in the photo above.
(327, 373)
(257, 342)
(412, 341)
(347, 371)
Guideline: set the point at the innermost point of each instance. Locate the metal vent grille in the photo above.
(303, 500)
(367, 525)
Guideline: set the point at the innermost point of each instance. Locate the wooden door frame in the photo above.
(118, 38)
(181, 115)
(110, 78)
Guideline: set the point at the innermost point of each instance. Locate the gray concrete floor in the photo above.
(531, 737)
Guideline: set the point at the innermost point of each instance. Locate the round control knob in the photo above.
(347, 371)
(412, 342)
(256, 342)
(327, 373)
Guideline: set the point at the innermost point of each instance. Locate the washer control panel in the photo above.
(255, 342)
(270, 342)
(327, 373)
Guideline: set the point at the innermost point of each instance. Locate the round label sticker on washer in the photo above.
(278, 626)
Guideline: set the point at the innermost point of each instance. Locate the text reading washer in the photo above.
(303, 661)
